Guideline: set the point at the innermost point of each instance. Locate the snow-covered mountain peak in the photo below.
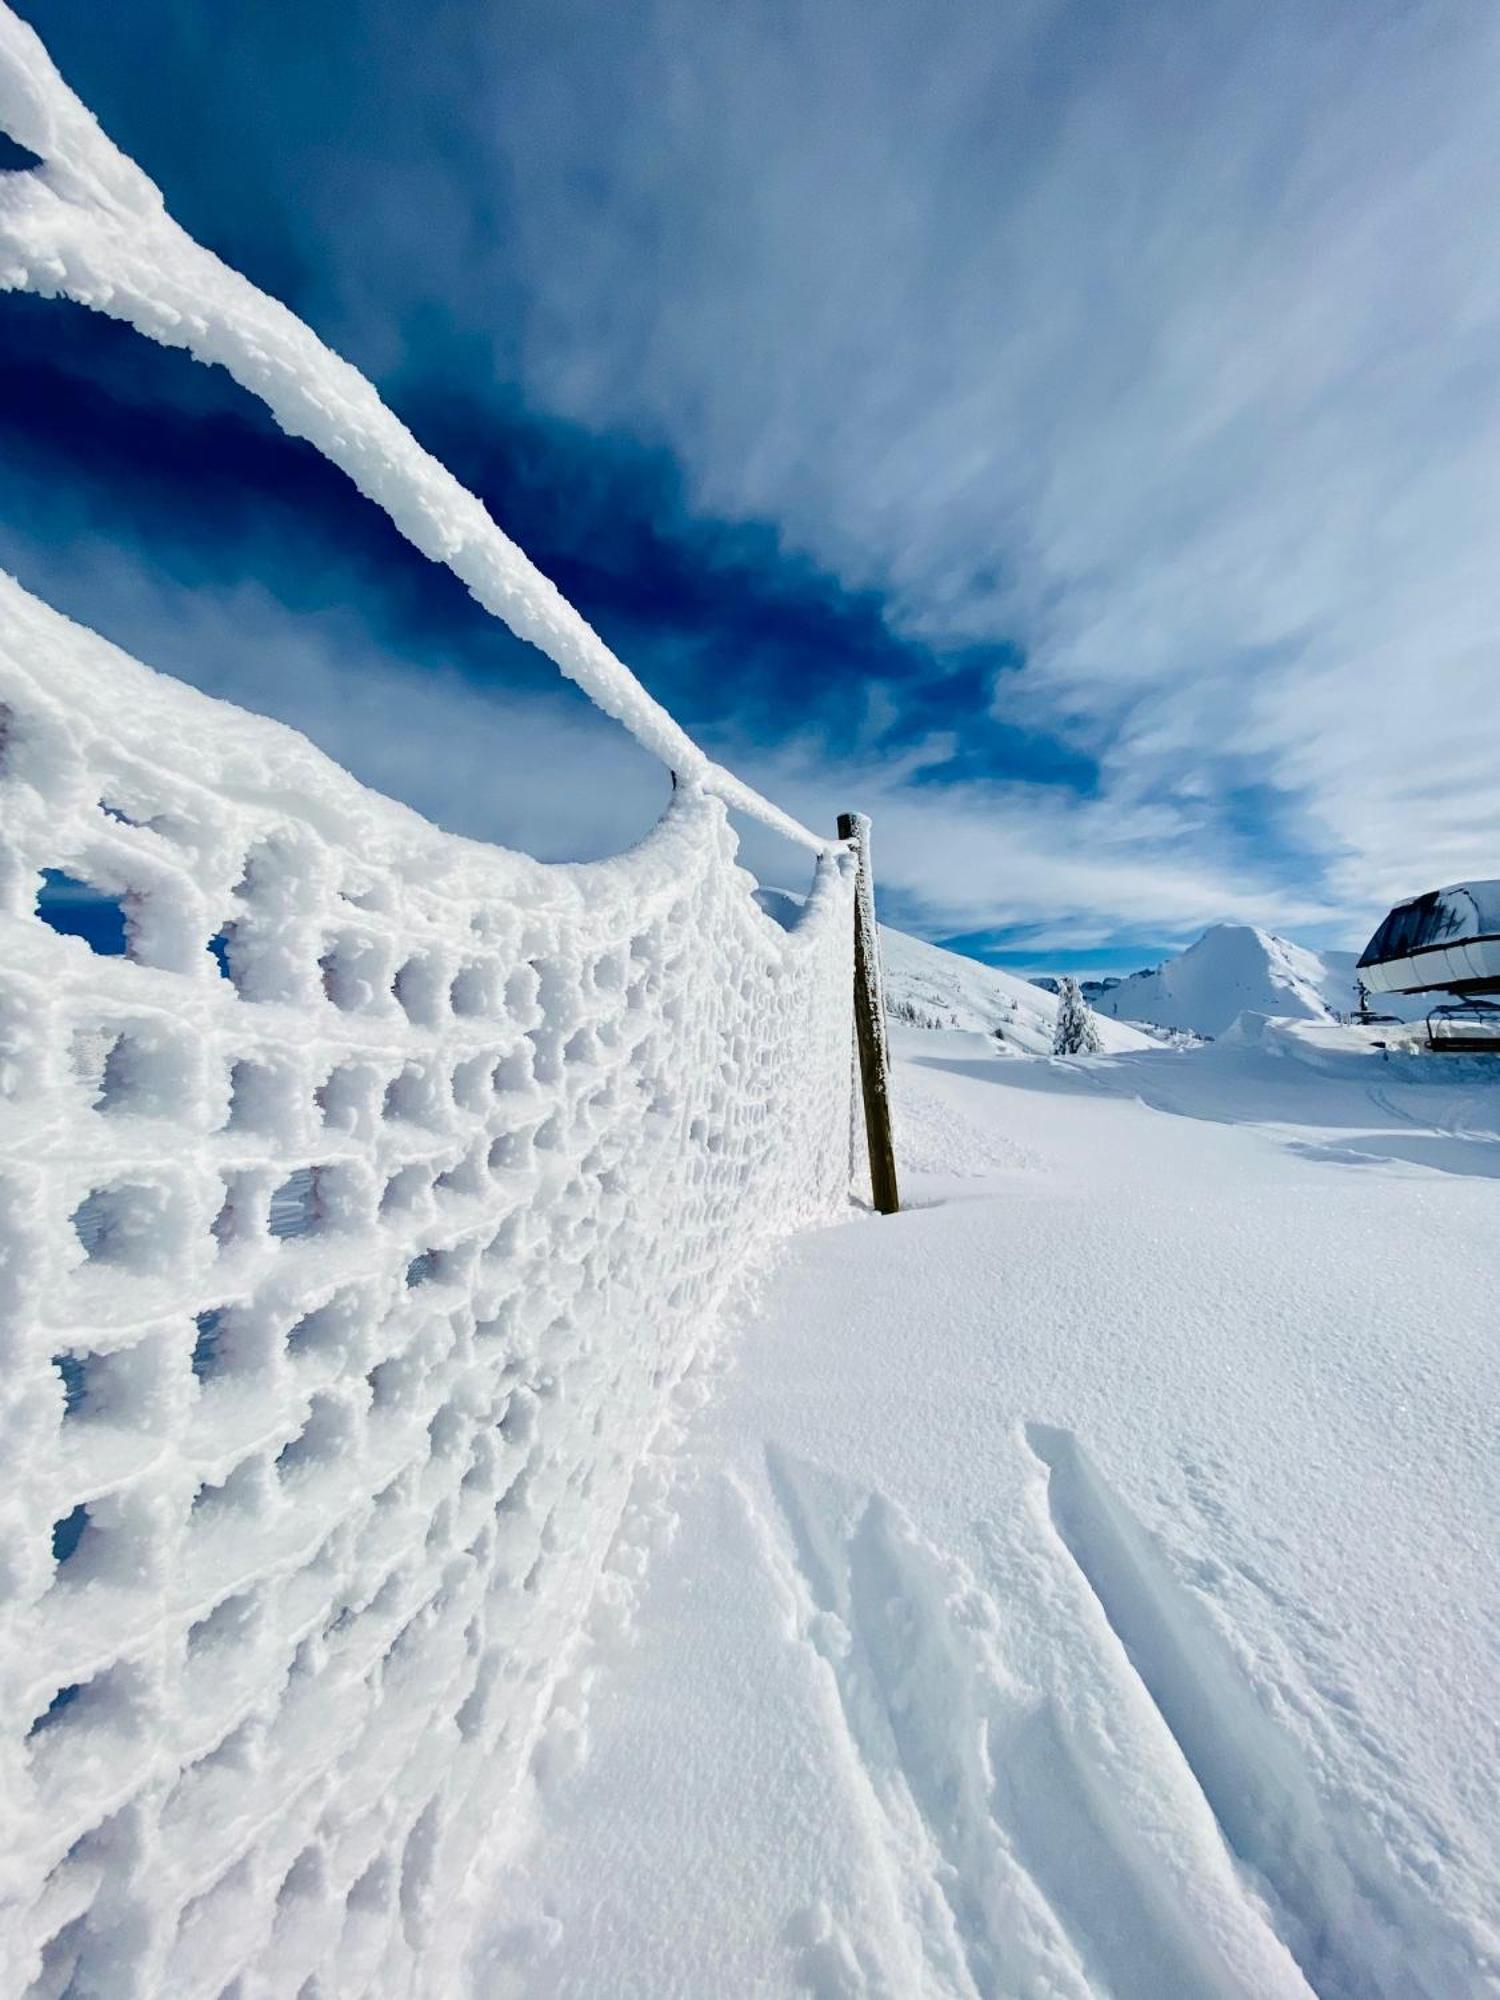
(1232, 968)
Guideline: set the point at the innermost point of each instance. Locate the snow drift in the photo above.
(1120, 1625)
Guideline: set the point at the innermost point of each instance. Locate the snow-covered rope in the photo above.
(87, 224)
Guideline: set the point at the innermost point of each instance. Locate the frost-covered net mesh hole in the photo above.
(213, 1343)
(294, 1209)
(72, 1371)
(16, 158)
(263, 1097)
(74, 908)
(143, 1070)
(355, 973)
(328, 1331)
(121, 1224)
(68, 1533)
(418, 986)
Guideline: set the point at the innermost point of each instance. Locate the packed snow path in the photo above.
(1082, 1584)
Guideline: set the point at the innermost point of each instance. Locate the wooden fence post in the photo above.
(869, 1023)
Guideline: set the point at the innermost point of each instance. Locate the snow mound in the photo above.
(1232, 969)
(363, 1193)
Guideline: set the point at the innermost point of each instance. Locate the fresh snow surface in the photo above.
(1232, 969)
(1081, 1584)
(927, 986)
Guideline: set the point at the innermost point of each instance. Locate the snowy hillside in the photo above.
(1231, 969)
(1081, 1585)
(928, 987)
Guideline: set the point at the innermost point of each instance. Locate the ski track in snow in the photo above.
(1352, 1927)
(1005, 1811)
(1021, 1876)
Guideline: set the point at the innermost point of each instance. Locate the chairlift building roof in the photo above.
(1444, 940)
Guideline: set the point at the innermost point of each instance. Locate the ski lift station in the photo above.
(1446, 941)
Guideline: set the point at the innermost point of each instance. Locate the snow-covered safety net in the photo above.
(363, 1191)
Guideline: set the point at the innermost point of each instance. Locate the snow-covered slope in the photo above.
(932, 988)
(1232, 967)
(928, 987)
(1081, 1585)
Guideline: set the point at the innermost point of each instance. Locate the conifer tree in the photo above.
(1077, 1032)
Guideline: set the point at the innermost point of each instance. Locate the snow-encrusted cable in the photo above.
(88, 225)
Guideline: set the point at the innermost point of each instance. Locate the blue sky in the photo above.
(1071, 433)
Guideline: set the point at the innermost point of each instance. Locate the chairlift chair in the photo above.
(1464, 1027)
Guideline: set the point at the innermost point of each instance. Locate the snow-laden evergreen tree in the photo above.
(1077, 1032)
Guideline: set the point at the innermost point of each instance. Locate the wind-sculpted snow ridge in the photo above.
(356, 1220)
(88, 225)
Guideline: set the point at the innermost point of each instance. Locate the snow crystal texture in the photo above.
(355, 1221)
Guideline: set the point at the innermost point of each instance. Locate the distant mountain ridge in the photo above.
(1231, 969)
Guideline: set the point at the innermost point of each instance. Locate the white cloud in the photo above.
(978, 856)
(1164, 339)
